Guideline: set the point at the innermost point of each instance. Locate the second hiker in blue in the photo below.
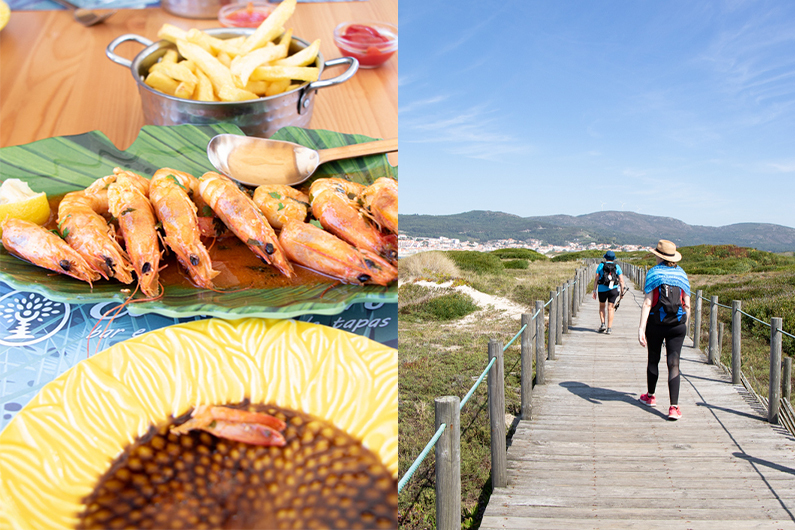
(609, 284)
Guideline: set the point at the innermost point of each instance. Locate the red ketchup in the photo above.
(366, 44)
(247, 17)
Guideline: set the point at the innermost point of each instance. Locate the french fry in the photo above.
(243, 65)
(305, 57)
(276, 87)
(199, 37)
(171, 33)
(219, 75)
(161, 82)
(270, 28)
(258, 87)
(214, 45)
(170, 56)
(224, 58)
(204, 88)
(178, 71)
(275, 73)
(185, 90)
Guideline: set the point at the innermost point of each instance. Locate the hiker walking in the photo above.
(609, 284)
(664, 316)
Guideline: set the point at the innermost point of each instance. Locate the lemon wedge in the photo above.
(18, 201)
(5, 14)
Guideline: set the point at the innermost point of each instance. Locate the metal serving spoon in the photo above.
(257, 161)
(84, 16)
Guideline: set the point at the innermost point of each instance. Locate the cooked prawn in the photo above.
(324, 252)
(41, 247)
(281, 204)
(254, 428)
(380, 200)
(91, 236)
(128, 202)
(241, 215)
(334, 205)
(169, 192)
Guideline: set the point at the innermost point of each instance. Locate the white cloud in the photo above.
(475, 132)
(782, 167)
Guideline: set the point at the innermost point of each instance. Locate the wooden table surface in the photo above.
(56, 80)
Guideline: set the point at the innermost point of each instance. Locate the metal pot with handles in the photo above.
(258, 117)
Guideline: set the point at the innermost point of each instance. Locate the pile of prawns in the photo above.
(358, 245)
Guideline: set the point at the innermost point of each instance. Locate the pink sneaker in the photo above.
(674, 413)
(648, 400)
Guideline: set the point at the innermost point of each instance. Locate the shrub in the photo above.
(519, 253)
(450, 306)
(574, 256)
(410, 293)
(432, 265)
(479, 262)
(516, 264)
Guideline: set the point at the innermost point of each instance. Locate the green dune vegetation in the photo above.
(442, 352)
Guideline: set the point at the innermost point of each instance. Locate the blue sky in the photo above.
(682, 109)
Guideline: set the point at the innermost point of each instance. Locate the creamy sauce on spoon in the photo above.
(276, 164)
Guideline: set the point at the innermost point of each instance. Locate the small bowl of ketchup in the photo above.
(371, 43)
(245, 14)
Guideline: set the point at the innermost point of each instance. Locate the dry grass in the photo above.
(433, 266)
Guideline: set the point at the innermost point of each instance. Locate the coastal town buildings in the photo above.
(411, 245)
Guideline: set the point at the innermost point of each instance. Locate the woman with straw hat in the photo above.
(664, 316)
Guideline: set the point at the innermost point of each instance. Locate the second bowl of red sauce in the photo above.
(245, 14)
(371, 43)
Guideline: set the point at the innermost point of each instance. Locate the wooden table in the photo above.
(56, 80)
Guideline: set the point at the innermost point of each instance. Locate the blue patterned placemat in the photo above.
(37, 5)
(40, 339)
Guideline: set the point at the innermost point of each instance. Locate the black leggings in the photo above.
(674, 337)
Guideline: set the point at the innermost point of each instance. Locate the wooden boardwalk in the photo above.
(593, 456)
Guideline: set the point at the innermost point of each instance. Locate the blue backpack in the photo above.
(667, 307)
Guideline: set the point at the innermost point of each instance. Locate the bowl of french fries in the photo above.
(259, 79)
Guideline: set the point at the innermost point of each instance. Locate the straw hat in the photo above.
(667, 251)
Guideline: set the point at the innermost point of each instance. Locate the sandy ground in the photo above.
(484, 301)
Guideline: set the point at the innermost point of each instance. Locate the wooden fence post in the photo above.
(565, 309)
(553, 326)
(786, 379)
(713, 328)
(448, 464)
(499, 458)
(736, 342)
(697, 322)
(540, 350)
(527, 364)
(575, 289)
(569, 303)
(774, 390)
(559, 315)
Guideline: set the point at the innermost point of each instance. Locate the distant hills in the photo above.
(619, 228)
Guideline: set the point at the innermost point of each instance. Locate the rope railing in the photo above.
(448, 486)
(477, 384)
(754, 318)
(416, 464)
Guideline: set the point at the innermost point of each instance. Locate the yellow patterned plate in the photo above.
(56, 447)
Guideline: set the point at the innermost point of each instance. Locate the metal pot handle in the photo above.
(304, 100)
(110, 50)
